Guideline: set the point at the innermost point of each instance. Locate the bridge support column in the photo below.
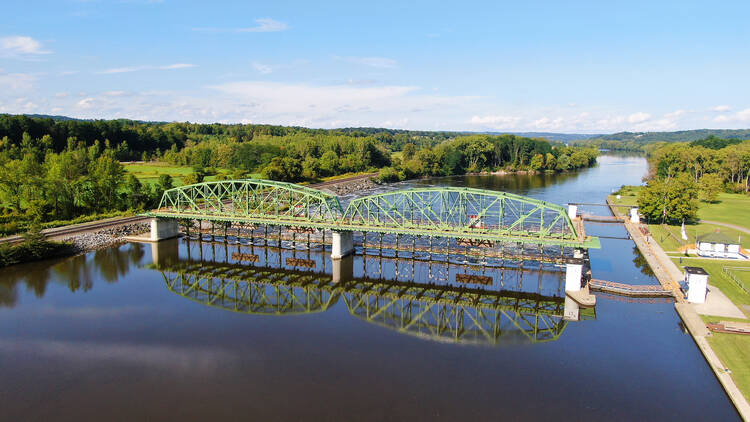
(573, 277)
(343, 269)
(572, 211)
(342, 244)
(164, 228)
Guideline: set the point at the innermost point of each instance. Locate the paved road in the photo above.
(731, 226)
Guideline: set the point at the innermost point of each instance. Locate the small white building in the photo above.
(718, 245)
(696, 279)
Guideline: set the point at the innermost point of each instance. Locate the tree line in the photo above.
(486, 153)
(60, 170)
(682, 174)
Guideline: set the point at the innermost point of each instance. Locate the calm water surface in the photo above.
(131, 333)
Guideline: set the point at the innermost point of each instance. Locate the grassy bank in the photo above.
(734, 352)
(716, 277)
(731, 208)
(149, 172)
(32, 250)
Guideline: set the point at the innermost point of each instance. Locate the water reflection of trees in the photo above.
(76, 273)
(516, 183)
(640, 262)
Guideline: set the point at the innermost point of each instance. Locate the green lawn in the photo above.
(716, 277)
(732, 208)
(149, 172)
(672, 243)
(734, 352)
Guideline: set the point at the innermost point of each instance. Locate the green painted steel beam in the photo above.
(466, 213)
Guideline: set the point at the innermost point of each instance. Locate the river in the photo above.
(112, 335)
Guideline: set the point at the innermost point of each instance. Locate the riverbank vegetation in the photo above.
(63, 170)
(485, 153)
(33, 248)
(648, 141)
(683, 176)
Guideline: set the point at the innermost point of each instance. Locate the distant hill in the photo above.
(630, 138)
(679, 136)
(47, 116)
(552, 136)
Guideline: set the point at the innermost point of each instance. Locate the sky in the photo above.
(541, 66)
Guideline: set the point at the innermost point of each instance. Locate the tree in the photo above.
(11, 184)
(107, 175)
(165, 183)
(408, 151)
(710, 185)
(537, 162)
(329, 163)
(670, 200)
(550, 162)
(136, 196)
(563, 162)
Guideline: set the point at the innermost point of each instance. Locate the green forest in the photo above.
(650, 141)
(684, 174)
(57, 171)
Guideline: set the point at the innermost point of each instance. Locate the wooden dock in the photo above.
(635, 290)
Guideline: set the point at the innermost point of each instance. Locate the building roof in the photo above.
(717, 237)
(695, 270)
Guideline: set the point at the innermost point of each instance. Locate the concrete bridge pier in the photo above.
(573, 277)
(342, 244)
(164, 228)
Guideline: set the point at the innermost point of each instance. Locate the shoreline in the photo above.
(665, 273)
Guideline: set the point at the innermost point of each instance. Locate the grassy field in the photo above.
(734, 352)
(673, 242)
(149, 172)
(716, 277)
(732, 208)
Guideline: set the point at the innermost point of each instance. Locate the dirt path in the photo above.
(731, 226)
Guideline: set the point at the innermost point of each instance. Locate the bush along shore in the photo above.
(35, 247)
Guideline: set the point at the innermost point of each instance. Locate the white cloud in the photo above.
(742, 116)
(146, 67)
(116, 93)
(379, 62)
(721, 108)
(266, 25)
(262, 25)
(638, 117)
(262, 68)
(176, 66)
(16, 81)
(675, 114)
(164, 357)
(18, 46)
(547, 123)
(87, 102)
(495, 121)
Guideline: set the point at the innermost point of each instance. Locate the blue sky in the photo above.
(575, 66)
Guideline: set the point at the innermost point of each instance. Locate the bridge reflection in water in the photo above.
(483, 303)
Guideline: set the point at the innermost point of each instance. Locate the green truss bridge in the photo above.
(471, 215)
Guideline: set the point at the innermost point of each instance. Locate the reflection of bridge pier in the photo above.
(465, 303)
(343, 269)
(165, 253)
